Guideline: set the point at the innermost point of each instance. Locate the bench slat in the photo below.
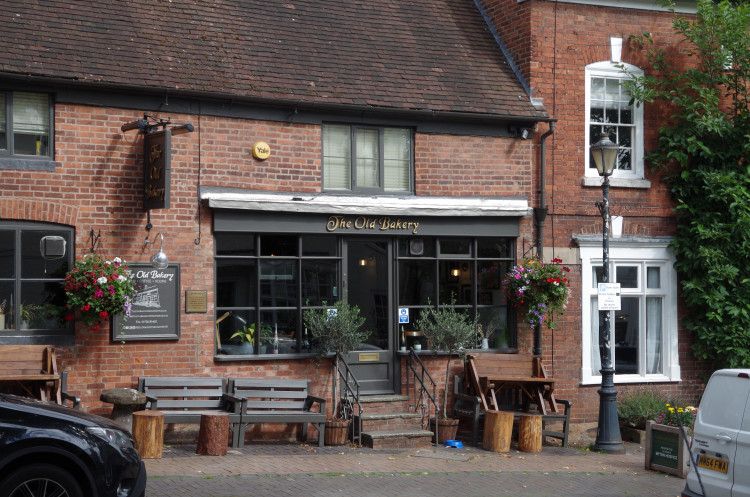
(270, 404)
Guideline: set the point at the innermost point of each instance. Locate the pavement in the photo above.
(289, 469)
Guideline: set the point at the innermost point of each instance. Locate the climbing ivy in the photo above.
(701, 83)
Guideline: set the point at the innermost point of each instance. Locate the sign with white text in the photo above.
(155, 311)
(608, 296)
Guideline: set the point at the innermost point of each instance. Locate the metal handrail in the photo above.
(349, 392)
(422, 376)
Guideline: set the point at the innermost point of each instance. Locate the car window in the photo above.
(723, 403)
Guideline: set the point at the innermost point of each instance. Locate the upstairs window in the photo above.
(25, 125)
(365, 159)
(609, 111)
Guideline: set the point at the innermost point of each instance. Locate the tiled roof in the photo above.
(433, 55)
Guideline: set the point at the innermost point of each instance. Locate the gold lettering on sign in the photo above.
(384, 223)
(154, 172)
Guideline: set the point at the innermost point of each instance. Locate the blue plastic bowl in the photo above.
(456, 444)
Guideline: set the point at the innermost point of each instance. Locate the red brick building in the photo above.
(398, 171)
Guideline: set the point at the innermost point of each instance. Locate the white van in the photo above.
(720, 465)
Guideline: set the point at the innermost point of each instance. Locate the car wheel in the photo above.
(40, 480)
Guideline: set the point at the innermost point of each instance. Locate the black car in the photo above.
(46, 450)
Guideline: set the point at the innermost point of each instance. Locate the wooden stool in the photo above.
(498, 430)
(212, 438)
(530, 433)
(148, 432)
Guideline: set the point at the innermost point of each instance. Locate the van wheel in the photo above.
(40, 480)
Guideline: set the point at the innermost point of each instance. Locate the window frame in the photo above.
(621, 71)
(64, 335)
(353, 186)
(628, 253)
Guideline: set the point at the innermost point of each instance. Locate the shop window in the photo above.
(25, 130)
(264, 283)
(643, 336)
(34, 259)
(609, 110)
(443, 272)
(367, 159)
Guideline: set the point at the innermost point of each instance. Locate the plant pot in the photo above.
(245, 348)
(337, 431)
(447, 429)
(485, 343)
(666, 450)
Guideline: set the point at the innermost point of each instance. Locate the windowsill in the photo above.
(261, 357)
(27, 164)
(596, 181)
(624, 380)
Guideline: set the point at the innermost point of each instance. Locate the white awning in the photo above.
(223, 198)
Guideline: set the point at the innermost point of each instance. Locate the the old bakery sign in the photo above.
(379, 223)
(156, 169)
(155, 311)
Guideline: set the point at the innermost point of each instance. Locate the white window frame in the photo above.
(621, 253)
(635, 176)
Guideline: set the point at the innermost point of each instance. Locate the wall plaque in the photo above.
(196, 301)
(155, 314)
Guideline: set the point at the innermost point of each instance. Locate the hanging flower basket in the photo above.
(97, 289)
(538, 289)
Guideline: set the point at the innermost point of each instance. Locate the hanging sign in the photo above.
(157, 167)
(608, 296)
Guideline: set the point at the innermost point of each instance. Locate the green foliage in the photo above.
(447, 330)
(703, 153)
(336, 329)
(638, 406)
(246, 334)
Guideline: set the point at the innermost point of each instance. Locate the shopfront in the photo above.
(273, 264)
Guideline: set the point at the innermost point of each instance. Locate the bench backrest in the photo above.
(271, 394)
(506, 365)
(184, 393)
(27, 360)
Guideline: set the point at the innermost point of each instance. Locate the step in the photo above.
(381, 421)
(384, 403)
(397, 439)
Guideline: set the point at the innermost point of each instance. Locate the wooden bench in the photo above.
(185, 399)
(510, 382)
(271, 400)
(30, 370)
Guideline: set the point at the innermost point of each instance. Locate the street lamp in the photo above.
(608, 437)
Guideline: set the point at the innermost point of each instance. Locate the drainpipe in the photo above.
(540, 214)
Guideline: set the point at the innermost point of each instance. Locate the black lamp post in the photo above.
(608, 437)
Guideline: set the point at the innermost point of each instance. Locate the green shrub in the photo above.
(636, 407)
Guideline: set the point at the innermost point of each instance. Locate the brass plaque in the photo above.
(196, 301)
(369, 357)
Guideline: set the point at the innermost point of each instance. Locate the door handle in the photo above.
(723, 438)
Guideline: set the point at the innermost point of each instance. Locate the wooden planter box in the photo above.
(666, 450)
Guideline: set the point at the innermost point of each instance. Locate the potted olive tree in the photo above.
(447, 330)
(338, 330)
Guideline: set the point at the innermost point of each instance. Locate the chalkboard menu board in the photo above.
(155, 314)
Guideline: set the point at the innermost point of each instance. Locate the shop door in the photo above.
(367, 283)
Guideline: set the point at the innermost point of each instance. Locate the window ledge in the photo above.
(27, 164)
(616, 182)
(624, 380)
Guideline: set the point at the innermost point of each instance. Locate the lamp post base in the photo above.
(608, 438)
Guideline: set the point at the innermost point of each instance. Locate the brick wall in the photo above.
(97, 184)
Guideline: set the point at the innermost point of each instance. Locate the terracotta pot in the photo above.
(337, 431)
(447, 429)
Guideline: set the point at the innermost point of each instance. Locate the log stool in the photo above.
(530, 433)
(212, 437)
(148, 432)
(126, 401)
(498, 430)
